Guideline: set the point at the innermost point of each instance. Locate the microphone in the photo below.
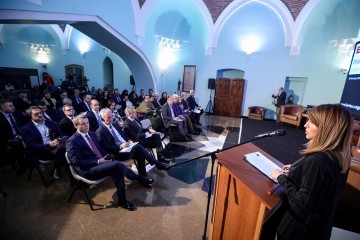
(279, 132)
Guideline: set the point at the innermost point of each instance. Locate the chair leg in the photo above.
(73, 191)
(42, 176)
(86, 195)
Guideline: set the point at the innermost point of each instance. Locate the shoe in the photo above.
(127, 205)
(162, 166)
(146, 181)
(164, 160)
(57, 173)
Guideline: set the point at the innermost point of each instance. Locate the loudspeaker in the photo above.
(211, 83)
(132, 81)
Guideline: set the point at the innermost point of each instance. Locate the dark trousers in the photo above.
(117, 171)
(151, 142)
(140, 154)
(57, 153)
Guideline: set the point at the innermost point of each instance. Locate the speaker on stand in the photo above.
(210, 106)
(132, 81)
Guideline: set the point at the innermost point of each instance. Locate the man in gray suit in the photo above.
(169, 118)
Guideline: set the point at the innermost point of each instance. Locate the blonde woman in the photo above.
(313, 183)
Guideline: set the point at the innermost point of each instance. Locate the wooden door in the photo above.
(229, 96)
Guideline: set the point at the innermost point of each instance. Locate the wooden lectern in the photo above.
(241, 201)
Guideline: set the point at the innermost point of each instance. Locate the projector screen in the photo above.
(351, 94)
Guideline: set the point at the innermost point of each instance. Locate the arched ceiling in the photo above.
(216, 7)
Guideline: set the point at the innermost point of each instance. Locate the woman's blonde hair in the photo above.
(334, 124)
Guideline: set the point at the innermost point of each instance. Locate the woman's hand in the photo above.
(275, 173)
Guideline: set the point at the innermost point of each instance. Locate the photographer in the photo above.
(280, 101)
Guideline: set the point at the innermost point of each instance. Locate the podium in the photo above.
(241, 201)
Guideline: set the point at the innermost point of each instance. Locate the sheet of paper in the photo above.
(262, 163)
(128, 149)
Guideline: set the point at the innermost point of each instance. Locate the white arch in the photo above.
(18, 15)
(141, 16)
(276, 5)
(299, 23)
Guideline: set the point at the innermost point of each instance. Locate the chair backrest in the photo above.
(145, 123)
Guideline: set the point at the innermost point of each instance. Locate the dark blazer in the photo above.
(94, 125)
(6, 129)
(82, 107)
(280, 101)
(312, 188)
(116, 100)
(185, 104)
(133, 130)
(107, 140)
(67, 126)
(191, 102)
(80, 153)
(166, 112)
(33, 140)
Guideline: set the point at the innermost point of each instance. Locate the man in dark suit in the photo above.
(113, 140)
(94, 115)
(280, 101)
(195, 109)
(66, 125)
(117, 99)
(48, 114)
(147, 138)
(84, 106)
(11, 147)
(76, 99)
(169, 117)
(89, 158)
(21, 101)
(43, 139)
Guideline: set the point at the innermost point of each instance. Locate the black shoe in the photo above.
(164, 160)
(162, 166)
(127, 205)
(146, 181)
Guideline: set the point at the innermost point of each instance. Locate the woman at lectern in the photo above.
(313, 183)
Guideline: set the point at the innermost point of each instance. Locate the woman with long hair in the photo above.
(116, 115)
(313, 183)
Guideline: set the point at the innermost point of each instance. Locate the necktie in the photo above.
(78, 99)
(138, 124)
(98, 118)
(93, 146)
(117, 140)
(87, 105)
(14, 125)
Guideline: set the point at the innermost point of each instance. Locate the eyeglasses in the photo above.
(37, 114)
(68, 110)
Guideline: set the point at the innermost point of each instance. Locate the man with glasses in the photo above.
(43, 140)
(66, 125)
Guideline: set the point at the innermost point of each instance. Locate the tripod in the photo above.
(210, 107)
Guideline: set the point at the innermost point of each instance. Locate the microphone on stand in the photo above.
(279, 132)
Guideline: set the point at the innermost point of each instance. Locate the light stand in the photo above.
(210, 107)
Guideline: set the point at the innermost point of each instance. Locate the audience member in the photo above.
(84, 106)
(149, 111)
(94, 115)
(116, 115)
(196, 110)
(66, 125)
(169, 117)
(21, 101)
(43, 140)
(11, 147)
(163, 99)
(89, 158)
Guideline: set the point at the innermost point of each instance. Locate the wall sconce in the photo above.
(40, 49)
(44, 65)
(344, 70)
(168, 43)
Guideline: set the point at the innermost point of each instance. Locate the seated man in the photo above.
(147, 138)
(178, 111)
(11, 147)
(94, 115)
(66, 125)
(156, 102)
(88, 157)
(112, 139)
(195, 109)
(169, 117)
(149, 111)
(44, 140)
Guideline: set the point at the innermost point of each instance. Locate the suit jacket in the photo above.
(33, 140)
(116, 100)
(191, 102)
(94, 124)
(80, 154)
(185, 104)
(106, 139)
(134, 131)
(67, 126)
(280, 101)
(6, 129)
(82, 107)
(166, 114)
(312, 188)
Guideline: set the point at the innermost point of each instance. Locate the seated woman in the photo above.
(116, 115)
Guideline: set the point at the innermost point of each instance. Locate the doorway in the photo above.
(295, 86)
(108, 74)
